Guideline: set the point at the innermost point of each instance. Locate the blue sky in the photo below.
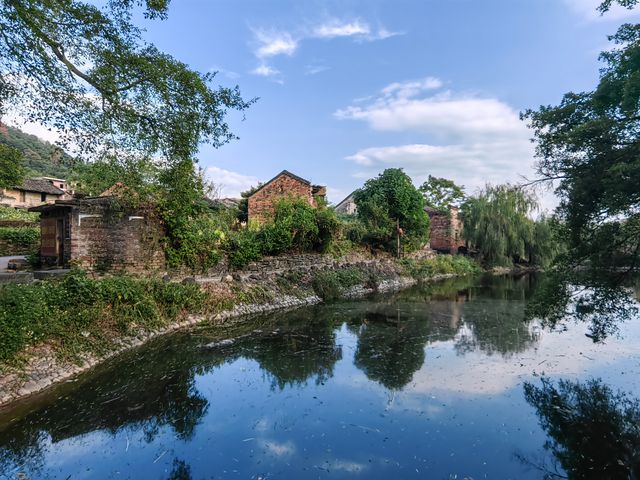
(348, 88)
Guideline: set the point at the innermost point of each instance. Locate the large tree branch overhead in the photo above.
(87, 71)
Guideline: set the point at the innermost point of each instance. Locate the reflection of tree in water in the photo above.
(494, 322)
(303, 345)
(181, 471)
(602, 300)
(154, 387)
(146, 397)
(393, 332)
(594, 432)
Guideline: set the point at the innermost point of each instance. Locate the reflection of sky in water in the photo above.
(328, 413)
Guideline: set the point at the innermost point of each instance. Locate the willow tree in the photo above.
(497, 223)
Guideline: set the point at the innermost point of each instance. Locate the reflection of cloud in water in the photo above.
(559, 354)
(279, 449)
(348, 466)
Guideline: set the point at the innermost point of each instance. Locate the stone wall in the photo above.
(445, 231)
(104, 239)
(262, 202)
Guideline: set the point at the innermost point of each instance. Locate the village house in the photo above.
(347, 206)
(445, 230)
(261, 203)
(100, 234)
(35, 191)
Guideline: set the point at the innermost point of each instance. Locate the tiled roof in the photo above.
(40, 185)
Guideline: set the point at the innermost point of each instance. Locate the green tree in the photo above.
(87, 71)
(389, 200)
(441, 193)
(12, 171)
(497, 223)
(589, 146)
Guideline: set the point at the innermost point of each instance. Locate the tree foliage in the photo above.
(388, 200)
(590, 145)
(497, 223)
(12, 171)
(441, 193)
(87, 72)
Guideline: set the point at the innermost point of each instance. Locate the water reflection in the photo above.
(594, 432)
(169, 389)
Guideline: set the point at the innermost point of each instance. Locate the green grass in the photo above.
(439, 265)
(80, 314)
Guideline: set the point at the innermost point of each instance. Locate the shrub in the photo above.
(331, 284)
(243, 247)
(19, 240)
(196, 244)
(60, 310)
(441, 264)
(8, 213)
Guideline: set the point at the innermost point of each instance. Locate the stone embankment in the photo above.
(42, 369)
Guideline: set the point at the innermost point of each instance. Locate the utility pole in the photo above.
(398, 236)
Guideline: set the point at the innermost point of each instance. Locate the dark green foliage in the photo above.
(441, 264)
(331, 284)
(12, 170)
(243, 247)
(497, 223)
(243, 207)
(61, 54)
(60, 310)
(38, 157)
(593, 431)
(9, 213)
(296, 227)
(386, 201)
(441, 193)
(19, 240)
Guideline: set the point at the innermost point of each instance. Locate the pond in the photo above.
(447, 381)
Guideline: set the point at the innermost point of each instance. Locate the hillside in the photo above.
(40, 157)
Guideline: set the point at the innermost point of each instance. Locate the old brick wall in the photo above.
(104, 239)
(262, 203)
(445, 231)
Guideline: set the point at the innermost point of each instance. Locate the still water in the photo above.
(446, 381)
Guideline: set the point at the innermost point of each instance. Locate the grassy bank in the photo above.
(423, 269)
(80, 314)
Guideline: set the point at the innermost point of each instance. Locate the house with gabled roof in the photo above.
(347, 206)
(34, 191)
(286, 184)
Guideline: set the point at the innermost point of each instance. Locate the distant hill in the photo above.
(40, 157)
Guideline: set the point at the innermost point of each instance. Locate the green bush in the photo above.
(441, 264)
(196, 244)
(19, 240)
(8, 213)
(243, 247)
(331, 284)
(60, 311)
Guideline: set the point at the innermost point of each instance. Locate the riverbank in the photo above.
(120, 323)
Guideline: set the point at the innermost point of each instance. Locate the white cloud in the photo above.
(337, 28)
(228, 183)
(359, 29)
(315, 69)
(271, 43)
(587, 9)
(468, 138)
(265, 71)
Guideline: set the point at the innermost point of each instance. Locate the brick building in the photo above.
(285, 184)
(445, 230)
(99, 234)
